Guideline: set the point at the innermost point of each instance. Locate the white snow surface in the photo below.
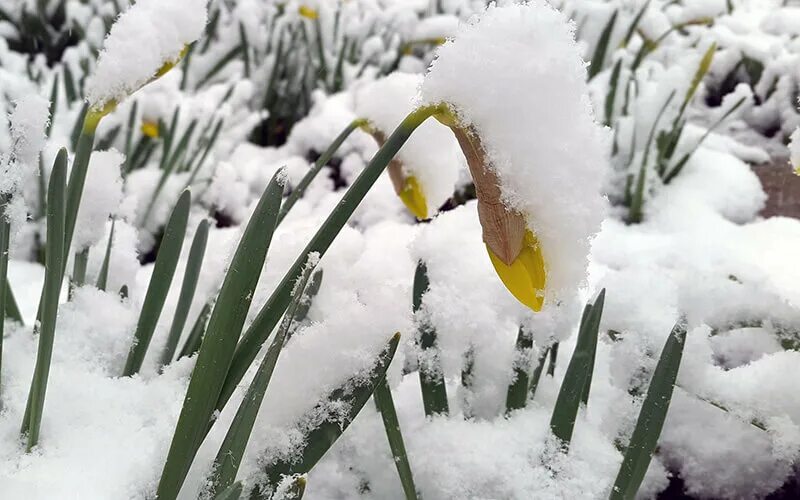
(102, 195)
(540, 137)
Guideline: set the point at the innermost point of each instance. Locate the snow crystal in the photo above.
(145, 37)
(516, 76)
(102, 195)
(431, 154)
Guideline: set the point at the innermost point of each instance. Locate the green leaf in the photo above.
(224, 60)
(5, 287)
(129, 137)
(169, 251)
(578, 375)
(612, 92)
(352, 395)
(634, 24)
(593, 328)
(636, 210)
(385, 404)
(651, 417)
(431, 375)
(194, 264)
(551, 368)
(298, 191)
(77, 179)
(602, 47)
(229, 457)
(219, 342)
(682, 162)
(271, 312)
(232, 492)
(308, 297)
(53, 277)
(102, 277)
(537, 372)
(517, 394)
(195, 338)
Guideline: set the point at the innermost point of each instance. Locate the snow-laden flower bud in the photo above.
(145, 42)
(515, 85)
(425, 170)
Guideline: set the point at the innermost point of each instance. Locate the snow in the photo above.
(103, 195)
(145, 37)
(478, 74)
(20, 163)
(703, 251)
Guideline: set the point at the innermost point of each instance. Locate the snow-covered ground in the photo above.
(701, 251)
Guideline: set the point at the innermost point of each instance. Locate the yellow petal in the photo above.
(525, 278)
(150, 129)
(413, 198)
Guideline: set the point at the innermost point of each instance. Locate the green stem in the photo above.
(298, 191)
(270, 314)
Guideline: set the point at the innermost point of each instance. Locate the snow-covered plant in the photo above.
(27, 124)
(537, 221)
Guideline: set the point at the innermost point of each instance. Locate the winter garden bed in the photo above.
(216, 216)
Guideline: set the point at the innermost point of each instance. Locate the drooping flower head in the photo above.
(515, 85)
(145, 42)
(425, 170)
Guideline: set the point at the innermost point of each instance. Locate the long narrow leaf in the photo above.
(53, 277)
(517, 394)
(601, 49)
(164, 269)
(229, 457)
(573, 387)
(651, 417)
(385, 404)
(219, 342)
(431, 376)
(298, 191)
(102, 276)
(194, 264)
(352, 395)
(5, 288)
(195, 338)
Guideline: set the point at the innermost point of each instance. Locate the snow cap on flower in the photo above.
(425, 170)
(514, 80)
(144, 42)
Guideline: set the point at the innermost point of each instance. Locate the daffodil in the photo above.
(150, 129)
(406, 186)
(426, 169)
(513, 248)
